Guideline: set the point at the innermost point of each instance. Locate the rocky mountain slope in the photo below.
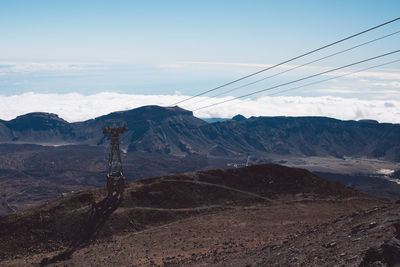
(202, 218)
(364, 238)
(176, 131)
(33, 174)
(42, 156)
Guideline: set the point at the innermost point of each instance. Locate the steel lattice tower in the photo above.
(115, 176)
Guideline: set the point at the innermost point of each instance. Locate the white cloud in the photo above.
(177, 92)
(381, 75)
(245, 67)
(239, 66)
(338, 91)
(389, 84)
(32, 67)
(77, 107)
(335, 107)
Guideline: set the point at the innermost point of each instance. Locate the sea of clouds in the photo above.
(78, 107)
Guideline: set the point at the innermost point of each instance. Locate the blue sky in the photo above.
(184, 47)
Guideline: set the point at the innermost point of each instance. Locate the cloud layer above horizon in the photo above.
(75, 107)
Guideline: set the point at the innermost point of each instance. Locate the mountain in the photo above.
(205, 218)
(175, 131)
(35, 174)
(43, 156)
(239, 117)
(35, 128)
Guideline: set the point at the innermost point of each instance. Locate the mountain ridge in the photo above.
(175, 131)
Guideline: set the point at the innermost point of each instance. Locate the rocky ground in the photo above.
(363, 238)
(266, 215)
(31, 175)
(284, 235)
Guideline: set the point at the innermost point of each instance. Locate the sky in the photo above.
(82, 59)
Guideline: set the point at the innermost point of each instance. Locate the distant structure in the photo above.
(115, 175)
(236, 165)
(247, 161)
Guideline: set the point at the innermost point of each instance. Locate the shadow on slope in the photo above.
(98, 215)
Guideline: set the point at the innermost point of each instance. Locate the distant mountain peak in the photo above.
(239, 117)
(167, 110)
(37, 121)
(39, 115)
(151, 111)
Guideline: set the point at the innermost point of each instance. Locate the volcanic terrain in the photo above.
(43, 156)
(258, 215)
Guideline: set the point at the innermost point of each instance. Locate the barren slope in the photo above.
(176, 218)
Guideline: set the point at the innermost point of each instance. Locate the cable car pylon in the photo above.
(115, 176)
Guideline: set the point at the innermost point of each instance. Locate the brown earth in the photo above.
(32, 175)
(363, 238)
(203, 218)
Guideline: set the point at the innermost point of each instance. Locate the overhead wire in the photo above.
(156, 114)
(336, 77)
(332, 78)
(298, 80)
(296, 67)
(292, 59)
(287, 61)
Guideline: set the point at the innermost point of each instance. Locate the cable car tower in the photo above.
(115, 176)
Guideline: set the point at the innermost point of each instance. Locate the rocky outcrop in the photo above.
(387, 254)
